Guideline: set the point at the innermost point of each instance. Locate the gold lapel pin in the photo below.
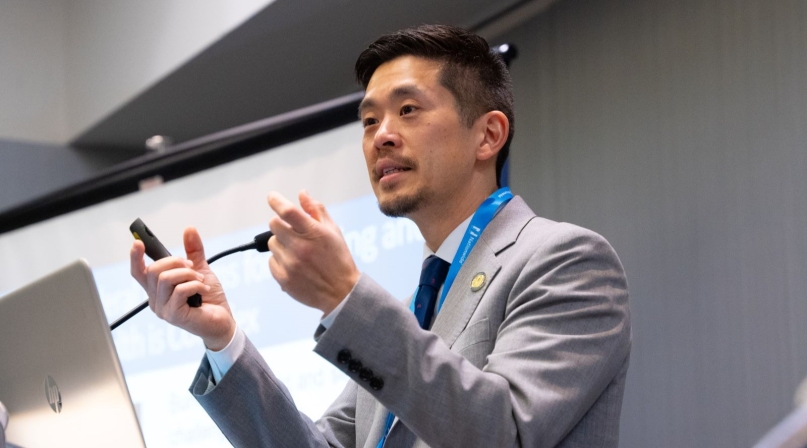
(478, 281)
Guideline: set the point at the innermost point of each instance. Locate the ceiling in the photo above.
(291, 54)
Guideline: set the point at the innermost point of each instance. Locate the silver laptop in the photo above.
(60, 377)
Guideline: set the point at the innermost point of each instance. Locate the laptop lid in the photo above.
(60, 377)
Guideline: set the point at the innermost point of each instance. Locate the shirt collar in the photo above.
(451, 244)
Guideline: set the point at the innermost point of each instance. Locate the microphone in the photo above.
(507, 51)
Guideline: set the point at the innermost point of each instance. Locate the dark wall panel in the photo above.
(30, 170)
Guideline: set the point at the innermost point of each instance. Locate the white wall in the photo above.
(65, 64)
(32, 71)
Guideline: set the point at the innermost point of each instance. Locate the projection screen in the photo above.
(228, 206)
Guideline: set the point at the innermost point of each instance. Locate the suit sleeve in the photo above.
(254, 409)
(564, 337)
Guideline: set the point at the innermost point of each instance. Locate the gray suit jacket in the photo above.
(535, 358)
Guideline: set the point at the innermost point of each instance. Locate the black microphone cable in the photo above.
(259, 243)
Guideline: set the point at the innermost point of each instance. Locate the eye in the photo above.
(369, 122)
(408, 109)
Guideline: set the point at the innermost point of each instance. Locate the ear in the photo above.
(495, 127)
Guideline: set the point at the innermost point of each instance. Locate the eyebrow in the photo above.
(398, 92)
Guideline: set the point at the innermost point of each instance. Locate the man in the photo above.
(525, 345)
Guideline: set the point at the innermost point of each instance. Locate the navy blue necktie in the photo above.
(432, 277)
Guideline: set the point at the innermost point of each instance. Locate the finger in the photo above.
(293, 215)
(194, 248)
(275, 246)
(169, 281)
(137, 263)
(179, 298)
(281, 231)
(313, 207)
(164, 264)
(278, 272)
(154, 270)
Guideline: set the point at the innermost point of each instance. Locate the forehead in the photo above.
(414, 67)
(404, 73)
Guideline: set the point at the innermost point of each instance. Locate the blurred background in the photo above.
(676, 129)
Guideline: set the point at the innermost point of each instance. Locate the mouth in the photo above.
(388, 169)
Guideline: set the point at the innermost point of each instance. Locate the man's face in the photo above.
(418, 150)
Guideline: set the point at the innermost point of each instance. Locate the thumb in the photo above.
(194, 248)
(314, 208)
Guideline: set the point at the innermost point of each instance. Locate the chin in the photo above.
(399, 206)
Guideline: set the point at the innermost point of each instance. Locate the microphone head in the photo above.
(262, 241)
(507, 51)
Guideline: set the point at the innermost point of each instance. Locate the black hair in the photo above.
(476, 76)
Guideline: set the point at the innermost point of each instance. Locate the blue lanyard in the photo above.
(484, 214)
(482, 217)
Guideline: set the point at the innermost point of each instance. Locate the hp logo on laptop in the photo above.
(53, 395)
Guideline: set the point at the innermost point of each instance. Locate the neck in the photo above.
(436, 224)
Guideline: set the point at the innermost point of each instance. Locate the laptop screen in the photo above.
(60, 378)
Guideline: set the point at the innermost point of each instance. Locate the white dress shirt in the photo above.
(221, 361)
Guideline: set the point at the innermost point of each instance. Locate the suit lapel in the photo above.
(462, 300)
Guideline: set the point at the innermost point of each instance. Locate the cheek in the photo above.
(370, 159)
(450, 136)
(368, 150)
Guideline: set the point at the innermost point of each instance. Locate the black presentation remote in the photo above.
(155, 250)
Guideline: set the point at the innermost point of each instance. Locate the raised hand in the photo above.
(310, 259)
(171, 280)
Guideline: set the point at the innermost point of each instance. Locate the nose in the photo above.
(387, 136)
